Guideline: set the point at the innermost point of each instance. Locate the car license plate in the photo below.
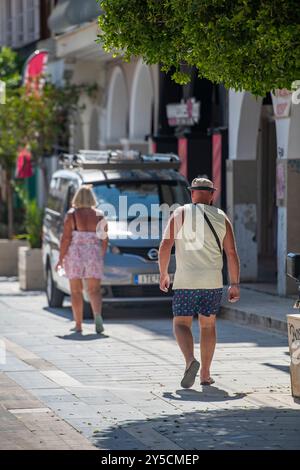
(148, 279)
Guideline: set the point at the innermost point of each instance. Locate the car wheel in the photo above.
(87, 311)
(55, 296)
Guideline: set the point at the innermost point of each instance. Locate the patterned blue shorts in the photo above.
(188, 302)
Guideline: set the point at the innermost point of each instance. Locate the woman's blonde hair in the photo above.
(84, 197)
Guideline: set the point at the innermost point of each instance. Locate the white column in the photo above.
(244, 116)
(287, 117)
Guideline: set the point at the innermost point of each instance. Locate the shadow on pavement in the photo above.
(124, 311)
(211, 395)
(282, 368)
(243, 428)
(140, 311)
(157, 318)
(81, 337)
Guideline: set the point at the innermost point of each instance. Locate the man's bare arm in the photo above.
(165, 248)
(233, 262)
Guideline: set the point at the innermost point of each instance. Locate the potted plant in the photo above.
(30, 266)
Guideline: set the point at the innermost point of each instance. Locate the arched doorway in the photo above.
(117, 107)
(251, 188)
(266, 194)
(141, 104)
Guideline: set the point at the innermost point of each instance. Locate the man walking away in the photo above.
(200, 232)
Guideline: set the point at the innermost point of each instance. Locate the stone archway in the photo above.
(288, 184)
(244, 118)
(141, 103)
(117, 107)
(244, 174)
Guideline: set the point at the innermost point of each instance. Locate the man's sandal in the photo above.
(190, 375)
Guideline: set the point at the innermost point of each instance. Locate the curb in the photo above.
(263, 322)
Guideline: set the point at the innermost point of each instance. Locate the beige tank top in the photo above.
(199, 261)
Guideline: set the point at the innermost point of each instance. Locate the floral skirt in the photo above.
(84, 258)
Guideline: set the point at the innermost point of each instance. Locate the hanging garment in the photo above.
(24, 167)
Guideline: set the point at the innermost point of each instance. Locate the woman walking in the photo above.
(82, 252)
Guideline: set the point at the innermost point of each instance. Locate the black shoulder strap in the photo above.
(214, 232)
(212, 229)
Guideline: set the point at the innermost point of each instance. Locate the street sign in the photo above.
(282, 100)
(183, 113)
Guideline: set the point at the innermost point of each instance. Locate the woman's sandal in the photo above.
(99, 324)
(76, 330)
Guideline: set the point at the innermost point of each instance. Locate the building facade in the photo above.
(130, 109)
(263, 180)
(23, 23)
(249, 146)
(261, 174)
(24, 28)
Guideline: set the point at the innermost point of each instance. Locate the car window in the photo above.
(175, 193)
(137, 192)
(57, 194)
(53, 198)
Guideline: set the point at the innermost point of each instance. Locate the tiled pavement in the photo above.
(25, 422)
(121, 390)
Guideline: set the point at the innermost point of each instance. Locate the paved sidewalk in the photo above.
(121, 390)
(262, 310)
(259, 309)
(26, 424)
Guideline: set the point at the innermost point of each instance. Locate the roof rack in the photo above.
(118, 159)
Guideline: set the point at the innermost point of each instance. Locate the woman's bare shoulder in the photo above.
(70, 214)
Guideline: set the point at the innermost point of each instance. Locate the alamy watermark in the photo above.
(140, 221)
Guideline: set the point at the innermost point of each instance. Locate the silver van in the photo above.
(131, 264)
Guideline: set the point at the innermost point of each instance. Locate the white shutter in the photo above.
(36, 7)
(8, 29)
(19, 22)
(20, 35)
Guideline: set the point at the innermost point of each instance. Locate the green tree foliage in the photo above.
(244, 44)
(10, 67)
(37, 119)
(33, 218)
(11, 113)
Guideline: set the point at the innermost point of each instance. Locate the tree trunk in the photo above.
(10, 211)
